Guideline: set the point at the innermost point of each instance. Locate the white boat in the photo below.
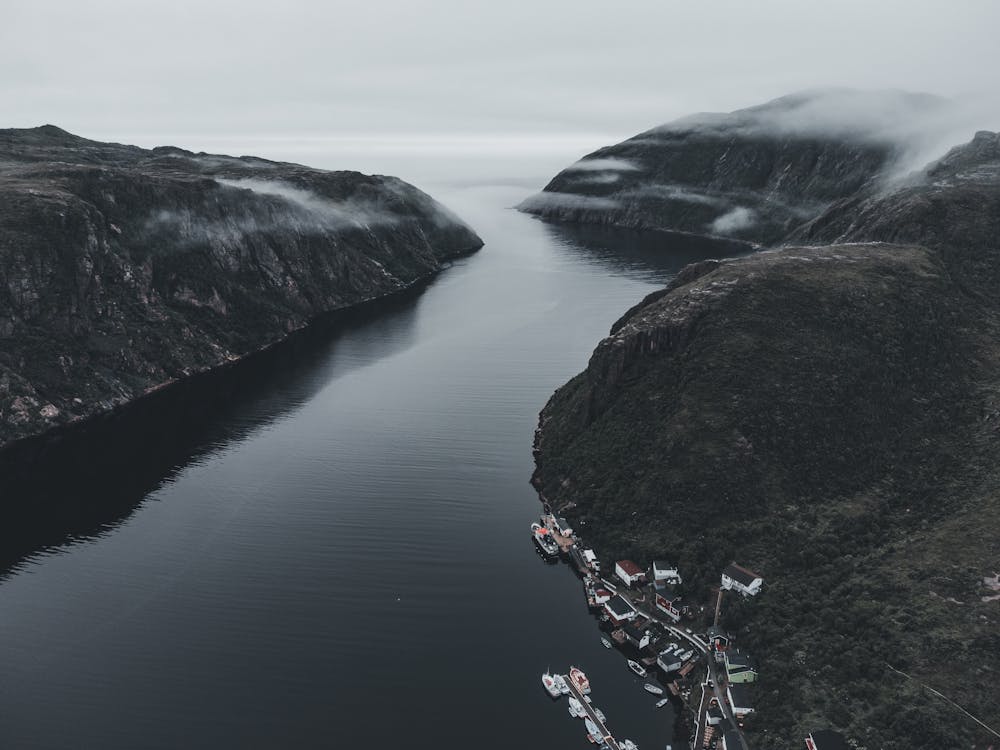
(662, 702)
(550, 684)
(651, 688)
(605, 642)
(636, 667)
(579, 680)
(599, 714)
(576, 708)
(544, 539)
(561, 684)
(593, 731)
(629, 745)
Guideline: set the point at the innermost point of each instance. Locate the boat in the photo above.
(543, 538)
(576, 708)
(605, 642)
(579, 680)
(662, 702)
(599, 714)
(636, 667)
(549, 682)
(629, 745)
(651, 688)
(593, 731)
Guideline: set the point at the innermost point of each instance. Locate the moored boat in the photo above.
(550, 685)
(544, 539)
(579, 680)
(605, 642)
(629, 745)
(593, 731)
(651, 688)
(636, 667)
(576, 708)
(662, 702)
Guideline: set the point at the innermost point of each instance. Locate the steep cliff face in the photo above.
(828, 415)
(754, 174)
(124, 269)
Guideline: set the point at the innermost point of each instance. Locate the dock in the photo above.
(606, 737)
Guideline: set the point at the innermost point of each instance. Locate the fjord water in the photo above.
(344, 559)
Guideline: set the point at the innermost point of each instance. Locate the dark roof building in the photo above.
(826, 739)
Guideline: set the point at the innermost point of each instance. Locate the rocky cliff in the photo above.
(828, 415)
(123, 270)
(753, 174)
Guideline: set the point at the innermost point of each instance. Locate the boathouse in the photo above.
(826, 739)
(738, 668)
(629, 572)
(672, 657)
(590, 557)
(739, 700)
(664, 571)
(737, 578)
(619, 610)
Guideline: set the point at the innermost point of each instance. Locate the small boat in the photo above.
(549, 682)
(629, 745)
(605, 642)
(579, 680)
(651, 688)
(544, 539)
(576, 708)
(636, 667)
(662, 702)
(593, 731)
(599, 714)
(561, 684)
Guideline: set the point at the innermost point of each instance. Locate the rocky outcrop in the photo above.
(123, 270)
(828, 415)
(753, 174)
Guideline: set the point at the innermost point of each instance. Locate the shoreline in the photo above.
(26, 461)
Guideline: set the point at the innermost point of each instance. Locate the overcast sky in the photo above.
(179, 71)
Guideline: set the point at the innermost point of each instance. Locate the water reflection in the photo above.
(67, 490)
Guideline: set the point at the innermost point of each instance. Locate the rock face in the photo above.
(124, 269)
(754, 174)
(828, 415)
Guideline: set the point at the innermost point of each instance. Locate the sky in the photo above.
(460, 74)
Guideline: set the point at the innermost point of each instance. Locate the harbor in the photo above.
(642, 615)
(576, 685)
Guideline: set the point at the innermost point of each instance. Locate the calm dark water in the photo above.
(343, 556)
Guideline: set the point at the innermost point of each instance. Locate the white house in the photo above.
(601, 595)
(638, 638)
(738, 578)
(590, 557)
(671, 658)
(663, 571)
(619, 609)
(739, 699)
(628, 572)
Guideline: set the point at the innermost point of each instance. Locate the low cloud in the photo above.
(734, 221)
(553, 201)
(602, 165)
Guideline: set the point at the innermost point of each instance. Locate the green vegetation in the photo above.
(817, 415)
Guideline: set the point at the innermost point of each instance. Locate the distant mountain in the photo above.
(123, 269)
(827, 413)
(753, 174)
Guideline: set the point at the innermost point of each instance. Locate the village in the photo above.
(643, 614)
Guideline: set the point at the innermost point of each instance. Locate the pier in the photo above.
(606, 737)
